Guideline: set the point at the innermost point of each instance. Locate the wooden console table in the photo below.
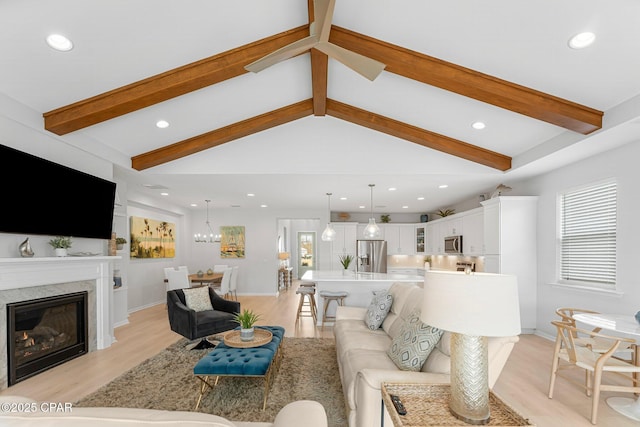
(285, 277)
(428, 405)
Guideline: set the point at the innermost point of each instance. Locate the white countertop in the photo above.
(350, 276)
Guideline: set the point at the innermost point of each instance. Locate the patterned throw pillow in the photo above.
(411, 347)
(378, 309)
(198, 298)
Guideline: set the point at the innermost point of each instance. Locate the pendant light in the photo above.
(371, 231)
(329, 234)
(206, 237)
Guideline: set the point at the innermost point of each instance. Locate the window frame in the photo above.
(609, 285)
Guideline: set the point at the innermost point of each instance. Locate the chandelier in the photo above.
(208, 236)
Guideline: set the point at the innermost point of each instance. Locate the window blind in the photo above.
(588, 236)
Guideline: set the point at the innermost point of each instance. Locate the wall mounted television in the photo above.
(46, 198)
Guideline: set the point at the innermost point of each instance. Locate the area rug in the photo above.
(309, 370)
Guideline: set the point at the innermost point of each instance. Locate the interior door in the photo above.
(306, 252)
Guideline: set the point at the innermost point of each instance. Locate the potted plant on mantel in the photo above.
(246, 319)
(60, 244)
(120, 241)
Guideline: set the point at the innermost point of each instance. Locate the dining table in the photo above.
(204, 279)
(624, 324)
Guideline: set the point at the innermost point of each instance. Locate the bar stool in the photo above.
(307, 299)
(328, 296)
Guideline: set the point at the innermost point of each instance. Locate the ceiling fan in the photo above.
(319, 39)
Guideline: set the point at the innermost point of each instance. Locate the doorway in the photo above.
(306, 252)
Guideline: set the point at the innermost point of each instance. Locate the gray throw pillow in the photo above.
(198, 299)
(411, 347)
(378, 309)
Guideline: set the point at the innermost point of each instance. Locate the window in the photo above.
(588, 236)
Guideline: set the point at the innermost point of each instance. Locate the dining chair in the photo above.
(223, 287)
(233, 283)
(219, 268)
(166, 274)
(625, 352)
(568, 354)
(177, 279)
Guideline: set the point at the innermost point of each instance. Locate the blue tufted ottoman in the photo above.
(228, 361)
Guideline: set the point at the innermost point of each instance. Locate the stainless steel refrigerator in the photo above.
(371, 256)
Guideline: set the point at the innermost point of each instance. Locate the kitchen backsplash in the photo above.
(437, 262)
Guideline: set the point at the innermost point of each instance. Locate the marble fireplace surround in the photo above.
(23, 279)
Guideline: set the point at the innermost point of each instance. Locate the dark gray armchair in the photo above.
(193, 325)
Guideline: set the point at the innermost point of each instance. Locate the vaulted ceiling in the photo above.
(446, 65)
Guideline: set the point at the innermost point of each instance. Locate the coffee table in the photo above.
(247, 361)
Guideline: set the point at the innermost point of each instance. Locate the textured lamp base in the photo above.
(469, 379)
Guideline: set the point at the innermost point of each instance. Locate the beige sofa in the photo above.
(364, 364)
(21, 412)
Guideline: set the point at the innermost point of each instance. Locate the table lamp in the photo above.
(472, 306)
(284, 259)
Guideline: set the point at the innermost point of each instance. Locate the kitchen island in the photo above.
(360, 286)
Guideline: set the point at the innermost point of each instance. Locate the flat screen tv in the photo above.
(46, 198)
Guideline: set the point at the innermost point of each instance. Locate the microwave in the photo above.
(453, 245)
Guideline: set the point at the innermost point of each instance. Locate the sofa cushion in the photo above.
(406, 298)
(411, 347)
(198, 299)
(378, 309)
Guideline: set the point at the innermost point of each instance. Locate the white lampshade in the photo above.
(480, 304)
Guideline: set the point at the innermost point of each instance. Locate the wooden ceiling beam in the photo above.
(222, 135)
(165, 86)
(470, 83)
(319, 79)
(417, 135)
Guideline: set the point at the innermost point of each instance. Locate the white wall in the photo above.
(621, 163)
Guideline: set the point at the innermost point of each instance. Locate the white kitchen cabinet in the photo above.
(399, 238)
(510, 248)
(473, 238)
(432, 239)
(343, 244)
(420, 239)
(451, 227)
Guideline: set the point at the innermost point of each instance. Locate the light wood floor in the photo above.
(523, 383)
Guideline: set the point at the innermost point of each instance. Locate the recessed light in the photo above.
(392, 188)
(478, 125)
(263, 206)
(162, 124)
(405, 207)
(250, 195)
(443, 186)
(164, 194)
(420, 198)
(343, 198)
(59, 42)
(582, 40)
(361, 207)
(194, 205)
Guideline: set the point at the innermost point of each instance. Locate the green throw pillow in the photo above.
(411, 347)
(198, 299)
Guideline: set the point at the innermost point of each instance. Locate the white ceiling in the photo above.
(119, 42)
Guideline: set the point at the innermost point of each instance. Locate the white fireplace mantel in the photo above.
(18, 273)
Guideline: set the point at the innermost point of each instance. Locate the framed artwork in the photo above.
(232, 241)
(151, 238)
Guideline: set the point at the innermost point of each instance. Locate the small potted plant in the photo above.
(246, 319)
(446, 212)
(345, 260)
(120, 241)
(61, 244)
(385, 218)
